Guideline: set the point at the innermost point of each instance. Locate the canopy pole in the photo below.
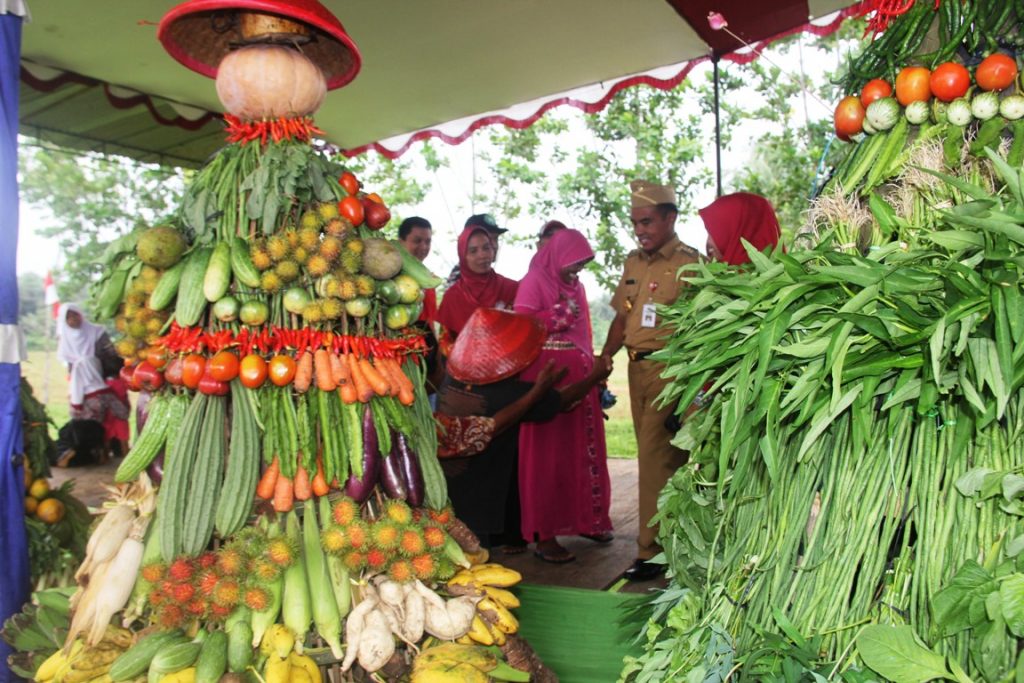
(718, 129)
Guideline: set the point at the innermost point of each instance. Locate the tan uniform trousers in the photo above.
(657, 459)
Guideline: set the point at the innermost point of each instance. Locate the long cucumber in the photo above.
(149, 443)
(241, 265)
(167, 287)
(235, 501)
(191, 302)
(206, 478)
(217, 277)
(177, 476)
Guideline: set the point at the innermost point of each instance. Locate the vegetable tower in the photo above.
(271, 324)
(852, 509)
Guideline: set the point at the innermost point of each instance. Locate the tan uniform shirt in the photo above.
(650, 278)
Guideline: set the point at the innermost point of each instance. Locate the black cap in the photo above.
(485, 221)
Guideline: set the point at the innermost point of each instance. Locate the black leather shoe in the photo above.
(643, 571)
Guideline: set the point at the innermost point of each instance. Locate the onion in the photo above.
(985, 105)
(1012, 107)
(883, 114)
(959, 112)
(917, 112)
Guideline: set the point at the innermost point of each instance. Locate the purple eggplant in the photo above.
(155, 470)
(359, 489)
(411, 470)
(391, 475)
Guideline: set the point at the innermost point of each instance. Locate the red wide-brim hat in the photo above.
(495, 345)
(198, 33)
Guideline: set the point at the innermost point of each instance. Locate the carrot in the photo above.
(265, 487)
(379, 384)
(364, 392)
(339, 371)
(384, 368)
(284, 494)
(303, 487)
(319, 483)
(322, 363)
(403, 379)
(346, 386)
(304, 373)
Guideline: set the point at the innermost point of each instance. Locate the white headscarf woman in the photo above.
(76, 346)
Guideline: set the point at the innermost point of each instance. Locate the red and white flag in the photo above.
(50, 297)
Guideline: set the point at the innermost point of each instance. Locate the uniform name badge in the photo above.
(648, 318)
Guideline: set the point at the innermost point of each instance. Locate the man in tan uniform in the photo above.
(648, 278)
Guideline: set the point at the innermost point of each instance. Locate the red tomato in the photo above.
(349, 181)
(193, 367)
(912, 85)
(351, 209)
(223, 367)
(174, 372)
(950, 81)
(849, 117)
(252, 371)
(996, 72)
(874, 90)
(157, 357)
(281, 370)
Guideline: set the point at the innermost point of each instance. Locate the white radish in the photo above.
(391, 593)
(376, 645)
(415, 614)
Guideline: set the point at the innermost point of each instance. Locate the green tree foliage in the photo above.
(34, 315)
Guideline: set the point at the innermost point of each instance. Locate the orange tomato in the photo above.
(252, 371)
(996, 72)
(950, 81)
(223, 366)
(349, 182)
(157, 357)
(193, 366)
(912, 85)
(873, 90)
(351, 209)
(849, 117)
(281, 370)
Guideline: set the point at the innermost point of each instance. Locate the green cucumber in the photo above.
(217, 277)
(240, 652)
(191, 301)
(213, 658)
(167, 288)
(173, 657)
(241, 265)
(135, 660)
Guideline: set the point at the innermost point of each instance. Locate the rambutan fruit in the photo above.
(165, 587)
(411, 542)
(171, 616)
(433, 535)
(310, 220)
(317, 265)
(207, 581)
(278, 248)
(330, 248)
(281, 551)
(220, 611)
(338, 227)
(365, 285)
(309, 239)
(355, 245)
(156, 597)
(358, 534)
(270, 282)
(445, 569)
(260, 257)
(347, 289)
(384, 533)
(154, 571)
(206, 560)
(196, 607)
(354, 561)
(327, 210)
(182, 592)
(256, 598)
(350, 262)
(443, 516)
(287, 270)
(291, 235)
(401, 571)
(229, 561)
(313, 312)
(301, 255)
(265, 570)
(227, 593)
(397, 511)
(376, 559)
(181, 569)
(332, 308)
(345, 511)
(423, 566)
(333, 540)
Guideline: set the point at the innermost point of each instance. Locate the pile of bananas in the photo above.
(84, 664)
(493, 620)
(283, 663)
(457, 663)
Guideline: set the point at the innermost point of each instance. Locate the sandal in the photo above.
(514, 548)
(606, 537)
(554, 555)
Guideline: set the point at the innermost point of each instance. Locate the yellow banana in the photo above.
(278, 640)
(478, 557)
(187, 675)
(92, 658)
(479, 632)
(120, 637)
(278, 670)
(463, 577)
(297, 674)
(502, 596)
(303, 662)
(498, 615)
(455, 672)
(465, 640)
(105, 678)
(496, 575)
(499, 635)
(77, 675)
(48, 669)
(69, 661)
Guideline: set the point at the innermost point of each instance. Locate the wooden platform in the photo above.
(597, 566)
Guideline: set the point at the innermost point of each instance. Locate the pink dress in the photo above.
(563, 468)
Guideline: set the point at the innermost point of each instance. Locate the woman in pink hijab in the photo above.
(563, 468)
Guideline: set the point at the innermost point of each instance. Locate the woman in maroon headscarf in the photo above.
(478, 285)
(563, 468)
(737, 216)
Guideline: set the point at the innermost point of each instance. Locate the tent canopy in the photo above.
(94, 75)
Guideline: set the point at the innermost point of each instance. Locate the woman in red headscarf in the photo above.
(478, 285)
(563, 469)
(735, 217)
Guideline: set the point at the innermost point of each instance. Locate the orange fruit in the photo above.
(50, 511)
(30, 505)
(39, 489)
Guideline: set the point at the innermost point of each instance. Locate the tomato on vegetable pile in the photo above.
(193, 366)
(874, 90)
(282, 370)
(252, 371)
(351, 209)
(849, 117)
(349, 182)
(912, 85)
(950, 81)
(996, 72)
(223, 366)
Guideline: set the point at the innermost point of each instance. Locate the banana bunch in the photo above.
(456, 663)
(85, 664)
(493, 620)
(283, 664)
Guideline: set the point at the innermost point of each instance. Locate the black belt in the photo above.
(638, 355)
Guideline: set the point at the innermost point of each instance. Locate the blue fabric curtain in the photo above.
(14, 574)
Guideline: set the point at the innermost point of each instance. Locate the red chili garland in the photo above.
(272, 339)
(301, 129)
(887, 10)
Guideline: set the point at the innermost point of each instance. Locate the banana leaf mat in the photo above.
(581, 634)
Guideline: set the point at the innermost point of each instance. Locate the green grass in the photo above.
(49, 384)
(618, 428)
